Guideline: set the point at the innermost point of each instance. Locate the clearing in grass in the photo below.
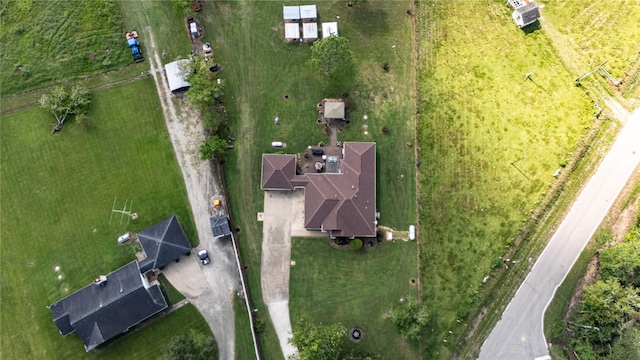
(60, 189)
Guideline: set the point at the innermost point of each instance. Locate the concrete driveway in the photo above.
(283, 218)
(519, 335)
(276, 259)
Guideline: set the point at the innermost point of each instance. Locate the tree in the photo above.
(318, 341)
(191, 346)
(205, 88)
(628, 346)
(213, 147)
(622, 262)
(606, 305)
(331, 57)
(411, 319)
(62, 103)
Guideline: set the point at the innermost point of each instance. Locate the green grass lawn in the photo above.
(56, 196)
(489, 144)
(167, 23)
(259, 68)
(149, 342)
(599, 31)
(355, 288)
(44, 41)
(591, 33)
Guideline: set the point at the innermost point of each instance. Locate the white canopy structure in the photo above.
(308, 12)
(291, 13)
(291, 30)
(309, 31)
(175, 75)
(329, 29)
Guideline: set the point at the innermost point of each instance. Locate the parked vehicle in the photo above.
(134, 45)
(203, 255)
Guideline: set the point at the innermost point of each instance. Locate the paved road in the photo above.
(518, 335)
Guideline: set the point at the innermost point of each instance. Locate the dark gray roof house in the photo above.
(163, 243)
(341, 201)
(108, 307)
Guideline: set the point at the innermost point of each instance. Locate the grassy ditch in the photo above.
(60, 191)
(45, 41)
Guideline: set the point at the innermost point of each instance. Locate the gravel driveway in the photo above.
(210, 288)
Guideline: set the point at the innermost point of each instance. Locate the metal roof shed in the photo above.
(329, 29)
(308, 12)
(175, 75)
(291, 13)
(291, 31)
(220, 226)
(310, 31)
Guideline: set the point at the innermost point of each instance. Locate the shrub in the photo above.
(356, 244)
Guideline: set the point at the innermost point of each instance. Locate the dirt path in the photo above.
(210, 288)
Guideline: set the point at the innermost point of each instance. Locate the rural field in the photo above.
(46, 41)
(490, 140)
(259, 69)
(596, 32)
(56, 196)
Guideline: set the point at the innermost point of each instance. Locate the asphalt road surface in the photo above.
(518, 334)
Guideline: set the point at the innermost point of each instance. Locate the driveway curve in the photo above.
(210, 288)
(519, 333)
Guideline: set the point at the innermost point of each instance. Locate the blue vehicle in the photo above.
(134, 45)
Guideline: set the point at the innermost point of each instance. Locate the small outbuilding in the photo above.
(220, 226)
(176, 76)
(291, 13)
(333, 109)
(308, 13)
(525, 12)
(310, 31)
(291, 31)
(329, 29)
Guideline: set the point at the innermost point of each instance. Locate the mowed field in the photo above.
(56, 196)
(259, 69)
(45, 41)
(490, 142)
(599, 32)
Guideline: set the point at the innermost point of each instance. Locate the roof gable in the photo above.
(333, 109)
(277, 171)
(163, 243)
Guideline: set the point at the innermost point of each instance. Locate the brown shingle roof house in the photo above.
(342, 203)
